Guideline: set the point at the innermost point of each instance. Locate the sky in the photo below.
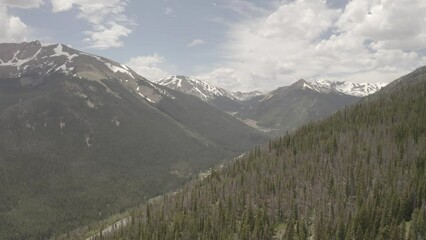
(235, 44)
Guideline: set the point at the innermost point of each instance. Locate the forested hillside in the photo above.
(83, 137)
(359, 174)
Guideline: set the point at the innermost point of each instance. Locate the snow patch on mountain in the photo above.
(117, 69)
(348, 88)
(16, 62)
(195, 87)
(30, 59)
(60, 52)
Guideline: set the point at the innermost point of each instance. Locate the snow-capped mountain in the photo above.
(87, 120)
(216, 96)
(32, 62)
(287, 108)
(245, 96)
(348, 88)
(32, 57)
(196, 87)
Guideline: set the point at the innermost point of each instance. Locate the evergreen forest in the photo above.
(358, 174)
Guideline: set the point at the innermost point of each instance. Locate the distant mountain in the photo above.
(216, 96)
(245, 96)
(358, 174)
(281, 110)
(348, 88)
(82, 137)
(287, 108)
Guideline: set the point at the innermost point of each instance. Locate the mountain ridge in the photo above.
(218, 97)
(196, 87)
(82, 136)
(358, 174)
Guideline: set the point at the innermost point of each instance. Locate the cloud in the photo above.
(12, 27)
(169, 12)
(196, 42)
(103, 37)
(22, 3)
(149, 66)
(299, 20)
(227, 78)
(366, 41)
(109, 23)
(107, 18)
(388, 24)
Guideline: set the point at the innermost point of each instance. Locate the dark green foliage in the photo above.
(104, 159)
(359, 174)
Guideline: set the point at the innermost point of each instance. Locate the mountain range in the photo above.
(287, 108)
(280, 110)
(218, 97)
(358, 174)
(82, 137)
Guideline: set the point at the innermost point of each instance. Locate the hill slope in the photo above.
(82, 137)
(359, 174)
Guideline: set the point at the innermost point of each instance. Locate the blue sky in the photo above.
(236, 44)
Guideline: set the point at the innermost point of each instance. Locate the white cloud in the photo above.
(227, 78)
(389, 24)
(12, 27)
(109, 24)
(299, 19)
(149, 66)
(196, 42)
(107, 18)
(169, 12)
(22, 3)
(103, 37)
(367, 41)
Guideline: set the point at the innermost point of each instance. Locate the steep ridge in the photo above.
(359, 174)
(82, 137)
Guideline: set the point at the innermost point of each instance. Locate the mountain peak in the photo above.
(342, 87)
(192, 86)
(300, 81)
(37, 61)
(301, 84)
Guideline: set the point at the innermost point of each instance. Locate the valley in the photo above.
(82, 130)
(358, 174)
(212, 120)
